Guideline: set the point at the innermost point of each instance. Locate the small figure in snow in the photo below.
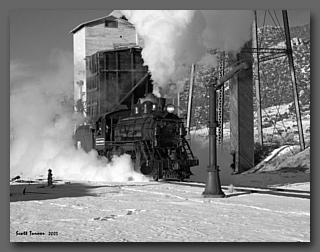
(233, 164)
(49, 177)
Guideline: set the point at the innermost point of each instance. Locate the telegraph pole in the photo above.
(257, 80)
(188, 137)
(293, 78)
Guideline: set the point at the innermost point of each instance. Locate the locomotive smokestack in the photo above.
(162, 103)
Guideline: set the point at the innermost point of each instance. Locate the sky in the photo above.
(34, 34)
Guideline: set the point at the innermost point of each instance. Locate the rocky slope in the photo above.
(275, 78)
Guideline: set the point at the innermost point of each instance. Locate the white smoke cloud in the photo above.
(40, 142)
(161, 31)
(175, 39)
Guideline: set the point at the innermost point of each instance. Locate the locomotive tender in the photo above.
(125, 117)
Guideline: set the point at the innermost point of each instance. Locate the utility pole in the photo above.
(257, 80)
(188, 137)
(293, 78)
(178, 103)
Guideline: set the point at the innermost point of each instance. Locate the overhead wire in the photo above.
(262, 32)
(280, 33)
(279, 25)
(275, 127)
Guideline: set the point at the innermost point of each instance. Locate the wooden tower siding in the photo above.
(100, 38)
(113, 73)
(92, 37)
(241, 115)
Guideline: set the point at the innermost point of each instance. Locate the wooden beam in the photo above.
(241, 115)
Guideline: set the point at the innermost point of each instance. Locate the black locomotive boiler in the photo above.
(151, 133)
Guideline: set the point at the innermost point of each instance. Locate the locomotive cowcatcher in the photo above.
(151, 133)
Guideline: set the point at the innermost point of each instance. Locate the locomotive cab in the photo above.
(84, 138)
(104, 134)
(149, 104)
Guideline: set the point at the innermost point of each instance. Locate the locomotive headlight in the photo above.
(170, 108)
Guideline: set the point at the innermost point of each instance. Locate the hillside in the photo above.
(275, 80)
(275, 75)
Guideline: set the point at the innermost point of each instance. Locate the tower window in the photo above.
(111, 24)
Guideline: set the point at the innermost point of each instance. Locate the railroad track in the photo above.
(237, 190)
(248, 190)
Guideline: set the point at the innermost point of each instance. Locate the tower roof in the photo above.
(116, 14)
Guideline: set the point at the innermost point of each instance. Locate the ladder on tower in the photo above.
(220, 100)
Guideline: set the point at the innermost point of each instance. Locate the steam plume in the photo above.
(175, 39)
(43, 128)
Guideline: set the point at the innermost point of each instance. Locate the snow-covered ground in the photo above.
(160, 212)
(149, 211)
(153, 212)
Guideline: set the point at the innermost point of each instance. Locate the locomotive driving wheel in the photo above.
(145, 168)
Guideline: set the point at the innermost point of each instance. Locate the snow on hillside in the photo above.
(284, 159)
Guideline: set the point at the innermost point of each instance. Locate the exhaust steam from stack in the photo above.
(175, 39)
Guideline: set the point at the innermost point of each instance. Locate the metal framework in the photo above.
(220, 97)
(262, 55)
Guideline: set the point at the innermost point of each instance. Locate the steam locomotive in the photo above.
(150, 132)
